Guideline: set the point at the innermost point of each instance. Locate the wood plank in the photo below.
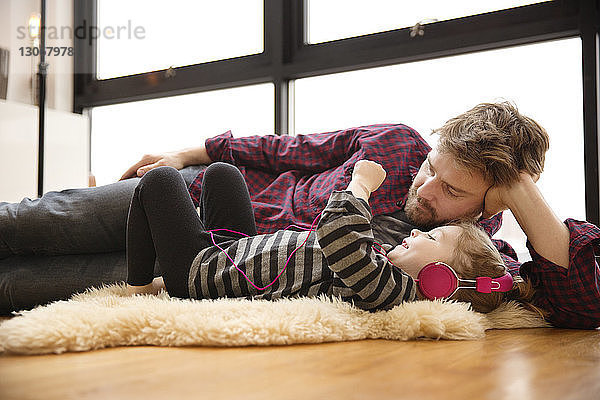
(516, 364)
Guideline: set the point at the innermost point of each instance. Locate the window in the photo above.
(283, 59)
(146, 35)
(122, 133)
(543, 80)
(338, 19)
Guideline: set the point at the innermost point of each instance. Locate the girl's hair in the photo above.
(475, 255)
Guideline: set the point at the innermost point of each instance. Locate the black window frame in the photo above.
(287, 57)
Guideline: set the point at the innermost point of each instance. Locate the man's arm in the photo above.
(563, 269)
(315, 152)
(310, 153)
(176, 159)
(546, 233)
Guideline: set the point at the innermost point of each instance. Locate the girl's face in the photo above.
(422, 248)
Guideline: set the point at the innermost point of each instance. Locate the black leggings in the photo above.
(163, 223)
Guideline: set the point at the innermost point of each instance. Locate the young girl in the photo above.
(339, 258)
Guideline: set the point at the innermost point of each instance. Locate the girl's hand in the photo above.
(368, 174)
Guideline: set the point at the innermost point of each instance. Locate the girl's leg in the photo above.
(163, 223)
(225, 201)
(154, 287)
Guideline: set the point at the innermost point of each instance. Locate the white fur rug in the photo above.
(106, 317)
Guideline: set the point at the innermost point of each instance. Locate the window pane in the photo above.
(338, 19)
(543, 80)
(122, 133)
(146, 35)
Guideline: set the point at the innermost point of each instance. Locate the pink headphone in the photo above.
(438, 280)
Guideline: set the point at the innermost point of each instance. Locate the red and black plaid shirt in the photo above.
(571, 296)
(290, 179)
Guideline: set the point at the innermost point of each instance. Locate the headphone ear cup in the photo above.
(436, 281)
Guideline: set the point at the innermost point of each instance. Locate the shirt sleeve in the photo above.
(570, 296)
(509, 256)
(311, 153)
(346, 239)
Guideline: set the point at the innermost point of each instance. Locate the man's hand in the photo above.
(499, 198)
(367, 176)
(175, 159)
(151, 161)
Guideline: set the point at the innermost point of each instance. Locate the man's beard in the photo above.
(419, 211)
(422, 214)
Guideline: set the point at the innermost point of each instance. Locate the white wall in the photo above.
(60, 78)
(65, 157)
(16, 13)
(4, 27)
(67, 134)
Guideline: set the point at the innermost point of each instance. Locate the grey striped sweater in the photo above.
(337, 259)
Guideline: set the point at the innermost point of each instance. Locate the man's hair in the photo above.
(475, 255)
(495, 140)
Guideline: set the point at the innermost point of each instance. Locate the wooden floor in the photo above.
(518, 364)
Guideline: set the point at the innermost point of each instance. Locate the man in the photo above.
(487, 160)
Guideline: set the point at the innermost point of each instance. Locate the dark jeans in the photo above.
(163, 223)
(64, 242)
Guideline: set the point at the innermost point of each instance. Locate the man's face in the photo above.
(442, 192)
